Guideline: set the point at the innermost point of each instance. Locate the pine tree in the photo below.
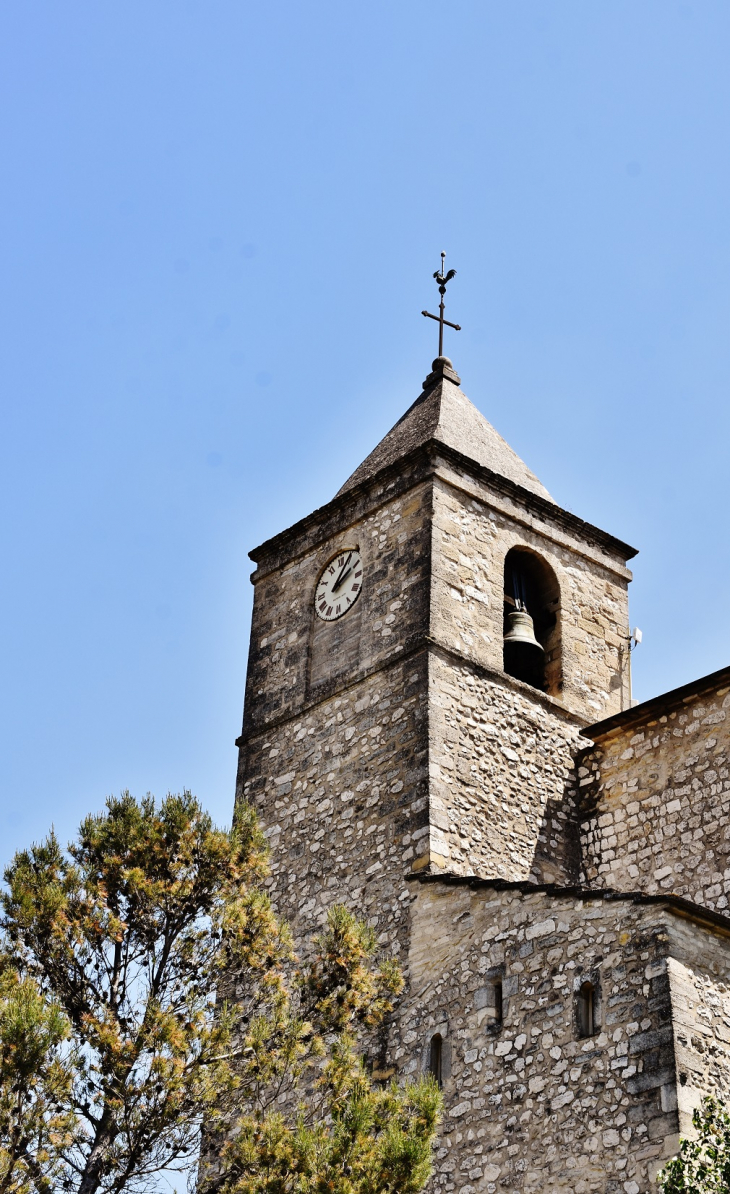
(346, 1134)
(153, 991)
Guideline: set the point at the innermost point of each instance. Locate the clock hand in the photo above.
(338, 582)
(341, 580)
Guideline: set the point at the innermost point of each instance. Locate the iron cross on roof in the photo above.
(442, 278)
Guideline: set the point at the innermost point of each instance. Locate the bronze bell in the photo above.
(520, 630)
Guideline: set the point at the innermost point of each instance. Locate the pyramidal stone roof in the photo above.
(445, 414)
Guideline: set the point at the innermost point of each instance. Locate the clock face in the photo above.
(338, 588)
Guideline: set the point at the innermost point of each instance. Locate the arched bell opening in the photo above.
(532, 648)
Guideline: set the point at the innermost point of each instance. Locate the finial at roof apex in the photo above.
(441, 370)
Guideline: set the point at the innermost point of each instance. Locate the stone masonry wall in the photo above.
(700, 994)
(498, 753)
(334, 749)
(657, 804)
(391, 611)
(529, 1105)
(342, 793)
(502, 783)
(473, 530)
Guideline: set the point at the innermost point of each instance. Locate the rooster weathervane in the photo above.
(442, 278)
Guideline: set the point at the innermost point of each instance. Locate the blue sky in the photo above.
(219, 224)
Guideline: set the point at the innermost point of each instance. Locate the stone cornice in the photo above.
(353, 503)
(333, 688)
(657, 706)
(549, 511)
(551, 704)
(687, 909)
(417, 644)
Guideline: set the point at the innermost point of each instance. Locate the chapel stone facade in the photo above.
(549, 864)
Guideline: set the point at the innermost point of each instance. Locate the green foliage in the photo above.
(372, 1141)
(35, 1081)
(702, 1165)
(341, 986)
(127, 936)
(342, 1132)
(153, 990)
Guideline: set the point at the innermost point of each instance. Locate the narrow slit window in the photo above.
(435, 1057)
(586, 1010)
(497, 997)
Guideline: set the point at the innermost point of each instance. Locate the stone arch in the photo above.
(530, 583)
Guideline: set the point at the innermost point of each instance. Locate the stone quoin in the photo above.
(550, 865)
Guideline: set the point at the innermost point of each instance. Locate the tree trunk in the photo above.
(94, 1170)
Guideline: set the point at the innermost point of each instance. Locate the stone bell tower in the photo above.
(387, 730)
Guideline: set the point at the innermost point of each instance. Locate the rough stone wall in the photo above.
(502, 782)
(498, 753)
(334, 749)
(391, 611)
(334, 648)
(342, 794)
(657, 804)
(700, 995)
(529, 1105)
(473, 530)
